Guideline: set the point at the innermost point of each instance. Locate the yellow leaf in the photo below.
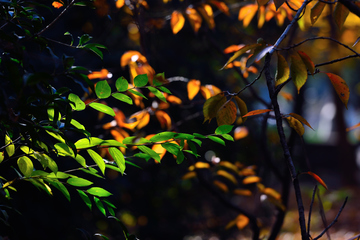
(222, 186)
(240, 132)
(282, 71)
(242, 192)
(227, 175)
(159, 150)
(189, 175)
(256, 112)
(272, 193)
(212, 105)
(120, 3)
(144, 120)
(194, 18)
(296, 125)
(173, 99)
(247, 172)
(261, 16)
(164, 119)
(2, 156)
(298, 71)
(202, 165)
(341, 87)
(207, 13)
(177, 21)
(251, 179)
(221, 6)
(193, 87)
(229, 165)
(247, 13)
(209, 91)
(301, 119)
(318, 179)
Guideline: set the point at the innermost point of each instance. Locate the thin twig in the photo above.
(333, 222)
(336, 60)
(250, 84)
(310, 210)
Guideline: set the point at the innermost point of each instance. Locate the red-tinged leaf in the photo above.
(278, 3)
(221, 6)
(256, 112)
(241, 52)
(193, 87)
(353, 127)
(301, 119)
(296, 125)
(307, 61)
(177, 21)
(247, 13)
(298, 71)
(212, 106)
(340, 14)
(194, 18)
(242, 192)
(341, 87)
(57, 4)
(282, 71)
(318, 179)
(262, 2)
(316, 11)
(226, 114)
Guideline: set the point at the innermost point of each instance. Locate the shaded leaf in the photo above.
(341, 87)
(226, 114)
(307, 61)
(296, 125)
(193, 87)
(207, 13)
(102, 89)
(340, 14)
(60, 187)
(99, 205)
(194, 18)
(223, 129)
(97, 159)
(298, 71)
(262, 2)
(278, 3)
(251, 179)
(242, 192)
(241, 52)
(257, 112)
(222, 186)
(318, 179)
(316, 11)
(353, 127)
(301, 119)
(25, 165)
(212, 106)
(282, 71)
(221, 6)
(177, 21)
(242, 108)
(99, 192)
(102, 108)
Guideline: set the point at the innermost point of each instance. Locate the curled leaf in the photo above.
(318, 179)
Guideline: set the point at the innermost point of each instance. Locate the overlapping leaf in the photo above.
(298, 71)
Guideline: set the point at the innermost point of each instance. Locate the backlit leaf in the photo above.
(157, 93)
(10, 147)
(97, 159)
(227, 175)
(25, 165)
(217, 140)
(229, 165)
(60, 187)
(262, 2)
(79, 182)
(85, 198)
(99, 205)
(207, 13)
(240, 132)
(316, 11)
(298, 71)
(301, 119)
(202, 165)
(242, 108)
(307, 61)
(102, 89)
(164, 119)
(226, 114)
(137, 93)
(121, 84)
(341, 87)
(163, 136)
(212, 106)
(76, 103)
(118, 158)
(221, 6)
(241, 52)
(282, 71)
(150, 152)
(296, 125)
(247, 13)
(194, 18)
(251, 179)
(122, 97)
(64, 150)
(102, 108)
(318, 179)
(177, 21)
(223, 129)
(2, 156)
(193, 87)
(340, 14)
(256, 112)
(242, 221)
(120, 3)
(141, 80)
(99, 192)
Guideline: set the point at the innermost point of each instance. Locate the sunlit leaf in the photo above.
(102, 89)
(227, 175)
(242, 221)
(150, 152)
(316, 11)
(226, 114)
(193, 87)
(318, 179)
(341, 87)
(240, 132)
(64, 150)
(2, 156)
(99, 192)
(221, 6)
(217, 140)
(121, 84)
(282, 71)
(79, 182)
(222, 186)
(194, 18)
(132, 56)
(242, 108)
(25, 165)
(353, 127)
(242, 192)
(118, 158)
(102, 108)
(46, 161)
(164, 119)
(177, 21)
(122, 97)
(340, 14)
(251, 179)
(10, 147)
(296, 125)
(241, 52)
(57, 4)
(76, 103)
(85, 198)
(257, 112)
(223, 129)
(301, 119)
(209, 91)
(120, 3)
(247, 13)
(97, 159)
(141, 80)
(157, 93)
(103, 74)
(307, 61)
(298, 71)
(163, 136)
(77, 124)
(58, 185)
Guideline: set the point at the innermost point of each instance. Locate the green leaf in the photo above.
(77, 124)
(282, 71)
(212, 106)
(217, 140)
(223, 129)
(112, 143)
(79, 182)
(180, 157)
(163, 136)
(157, 93)
(58, 175)
(99, 205)
(164, 89)
(198, 135)
(85, 198)
(46, 161)
(81, 160)
(122, 97)
(121, 84)
(25, 165)
(141, 80)
(184, 136)
(129, 140)
(60, 187)
(99, 192)
(10, 149)
(94, 47)
(298, 71)
(197, 141)
(150, 152)
(102, 108)
(102, 89)
(108, 203)
(136, 93)
(76, 103)
(171, 148)
(84, 39)
(64, 150)
(143, 156)
(91, 171)
(56, 136)
(51, 114)
(97, 159)
(119, 158)
(101, 235)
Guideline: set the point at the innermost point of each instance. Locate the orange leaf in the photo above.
(120, 3)
(177, 21)
(272, 193)
(287, 96)
(341, 87)
(242, 192)
(242, 221)
(262, 2)
(103, 74)
(144, 120)
(247, 172)
(173, 99)
(251, 179)
(189, 175)
(226, 115)
(301, 119)
(159, 150)
(57, 4)
(193, 87)
(296, 125)
(353, 127)
(240, 132)
(229, 165)
(233, 48)
(247, 13)
(221, 6)
(242, 108)
(261, 16)
(132, 56)
(307, 61)
(228, 176)
(164, 119)
(318, 179)
(207, 13)
(316, 11)
(256, 112)
(240, 52)
(221, 186)
(202, 165)
(209, 91)
(194, 18)
(212, 106)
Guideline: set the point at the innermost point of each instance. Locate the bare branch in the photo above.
(310, 210)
